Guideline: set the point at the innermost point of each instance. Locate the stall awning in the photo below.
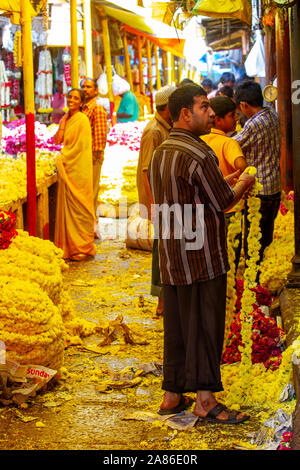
(13, 9)
(166, 37)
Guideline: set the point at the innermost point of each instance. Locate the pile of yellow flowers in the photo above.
(276, 264)
(118, 181)
(13, 178)
(37, 316)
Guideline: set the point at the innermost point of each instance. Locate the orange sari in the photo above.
(74, 224)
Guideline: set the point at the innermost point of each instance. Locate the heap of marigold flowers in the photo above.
(37, 316)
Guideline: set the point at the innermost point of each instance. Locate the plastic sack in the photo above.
(119, 85)
(240, 9)
(140, 232)
(255, 62)
(102, 84)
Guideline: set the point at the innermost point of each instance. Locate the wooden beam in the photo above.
(284, 98)
(74, 45)
(149, 58)
(158, 79)
(140, 59)
(127, 60)
(28, 75)
(107, 59)
(87, 32)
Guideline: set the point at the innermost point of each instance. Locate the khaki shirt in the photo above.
(155, 133)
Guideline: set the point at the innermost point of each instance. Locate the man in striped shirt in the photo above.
(260, 142)
(98, 120)
(190, 195)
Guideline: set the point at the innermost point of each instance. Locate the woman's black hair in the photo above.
(183, 97)
(81, 92)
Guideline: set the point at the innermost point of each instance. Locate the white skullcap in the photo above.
(162, 95)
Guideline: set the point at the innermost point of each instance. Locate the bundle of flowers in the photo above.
(267, 337)
(118, 180)
(14, 137)
(37, 317)
(276, 264)
(30, 324)
(13, 176)
(7, 228)
(285, 443)
(127, 133)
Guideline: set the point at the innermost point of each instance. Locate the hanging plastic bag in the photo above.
(255, 62)
(240, 9)
(119, 85)
(102, 83)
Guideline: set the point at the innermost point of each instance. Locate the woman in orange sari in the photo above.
(74, 224)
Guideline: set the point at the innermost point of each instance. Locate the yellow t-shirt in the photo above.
(226, 149)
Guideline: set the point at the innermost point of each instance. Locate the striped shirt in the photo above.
(98, 120)
(260, 142)
(185, 178)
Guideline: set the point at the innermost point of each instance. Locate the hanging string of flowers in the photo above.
(249, 296)
(234, 229)
(17, 51)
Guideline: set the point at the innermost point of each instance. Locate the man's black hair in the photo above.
(90, 80)
(183, 97)
(222, 105)
(207, 82)
(227, 77)
(186, 81)
(250, 92)
(225, 90)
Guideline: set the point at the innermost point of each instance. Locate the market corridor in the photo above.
(98, 404)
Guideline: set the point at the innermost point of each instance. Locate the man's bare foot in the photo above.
(170, 400)
(174, 403)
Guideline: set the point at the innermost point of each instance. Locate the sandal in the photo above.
(211, 416)
(184, 403)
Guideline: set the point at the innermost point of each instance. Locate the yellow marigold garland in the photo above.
(234, 229)
(249, 297)
(17, 50)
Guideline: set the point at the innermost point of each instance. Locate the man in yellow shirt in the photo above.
(155, 133)
(228, 150)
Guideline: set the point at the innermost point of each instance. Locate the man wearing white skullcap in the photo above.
(156, 131)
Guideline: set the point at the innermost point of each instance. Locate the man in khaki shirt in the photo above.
(155, 133)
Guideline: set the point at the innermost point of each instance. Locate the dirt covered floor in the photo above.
(108, 398)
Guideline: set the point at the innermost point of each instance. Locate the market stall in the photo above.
(139, 46)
